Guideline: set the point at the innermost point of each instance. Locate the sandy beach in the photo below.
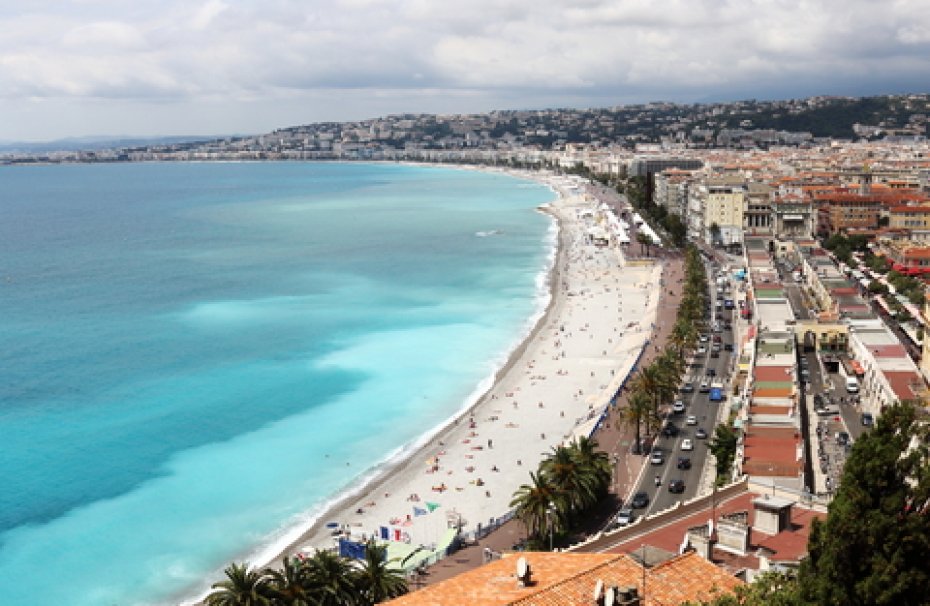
(553, 387)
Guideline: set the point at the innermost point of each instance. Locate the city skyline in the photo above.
(99, 67)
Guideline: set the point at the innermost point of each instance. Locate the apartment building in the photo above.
(718, 201)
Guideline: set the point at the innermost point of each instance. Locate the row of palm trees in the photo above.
(657, 383)
(325, 579)
(568, 482)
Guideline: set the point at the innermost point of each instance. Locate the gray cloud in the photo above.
(373, 56)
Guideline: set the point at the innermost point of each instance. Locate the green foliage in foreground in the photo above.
(874, 547)
(326, 579)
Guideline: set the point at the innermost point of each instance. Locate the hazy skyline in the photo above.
(107, 67)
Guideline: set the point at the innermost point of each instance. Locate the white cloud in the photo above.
(369, 54)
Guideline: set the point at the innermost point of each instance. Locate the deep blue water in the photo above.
(195, 357)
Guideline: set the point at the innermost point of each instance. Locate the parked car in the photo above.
(711, 372)
(700, 434)
(676, 486)
(687, 444)
(842, 438)
(727, 347)
(715, 354)
(702, 350)
(702, 338)
(640, 500)
(684, 463)
(625, 517)
(867, 419)
(657, 457)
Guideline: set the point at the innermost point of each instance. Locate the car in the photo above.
(727, 347)
(676, 486)
(867, 419)
(684, 463)
(678, 407)
(657, 457)
(670, 430)
(691, 420)
(625, 517)
(703, 338)
(640, 500)
(842, 438)
(705, 387)
(804, 363)
(805, 374)
(702, 350)
(687, 444)
(818, 401)
(715, 347)
(717, 339)
(711, 372)
(687, 387)
(715, 354)
(700, 434)
(727, 325)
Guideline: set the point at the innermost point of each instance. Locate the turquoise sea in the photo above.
(196, 358)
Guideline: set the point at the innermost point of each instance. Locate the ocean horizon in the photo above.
(199, 358)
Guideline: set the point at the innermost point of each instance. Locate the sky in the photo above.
(210, 67)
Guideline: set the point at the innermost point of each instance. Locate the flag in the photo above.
(419, 512)
(432, 506)
(384, 533)
(397, 534)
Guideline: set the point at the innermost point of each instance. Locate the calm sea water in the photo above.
(196, 357)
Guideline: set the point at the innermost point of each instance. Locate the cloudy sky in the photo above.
(179, 67)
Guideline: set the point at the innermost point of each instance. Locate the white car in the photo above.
(691, 420)
(703, 338)
(678, 407)
(686, 444)
(702, 350)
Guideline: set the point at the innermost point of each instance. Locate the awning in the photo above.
(857, 367)
(793, 218)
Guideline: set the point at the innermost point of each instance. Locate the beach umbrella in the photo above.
(432, 506)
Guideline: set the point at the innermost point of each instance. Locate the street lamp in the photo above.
(550, 514)
(616, 463)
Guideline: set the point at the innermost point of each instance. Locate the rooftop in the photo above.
(570, 578)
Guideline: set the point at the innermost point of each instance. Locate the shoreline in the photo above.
(401, 469)
(389, 468)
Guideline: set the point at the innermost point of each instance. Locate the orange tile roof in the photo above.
(569, 578)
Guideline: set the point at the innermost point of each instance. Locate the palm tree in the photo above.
(638, 405)
(330, 579)
(242, 587)
(644, 240)
(377, 580)
(289, 586)
(570, 479)
(532, 502)
(656, 382)
(593, 461)
(683, 336)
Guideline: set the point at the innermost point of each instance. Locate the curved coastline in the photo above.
(568, 279)
(301, 529)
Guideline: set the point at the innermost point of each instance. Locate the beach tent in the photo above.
(351, 549)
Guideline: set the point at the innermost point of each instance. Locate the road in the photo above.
(699, 405)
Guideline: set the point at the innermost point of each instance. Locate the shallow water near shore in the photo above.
(198, 356)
